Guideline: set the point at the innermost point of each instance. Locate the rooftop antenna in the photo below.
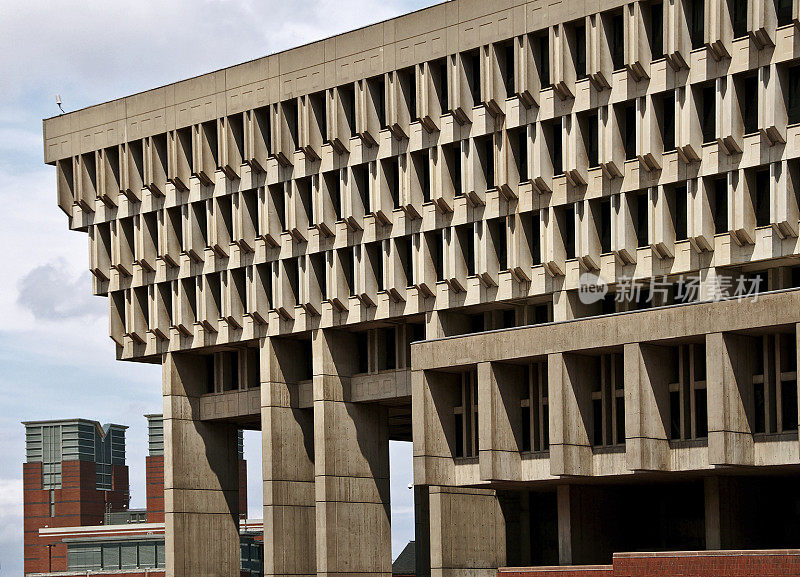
(58, 101)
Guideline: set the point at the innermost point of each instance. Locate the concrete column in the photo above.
(433, 397)
(724, 522)
(467, 532)
(287, 434)
(730, 359)
(647, 406)
(351, 448)
(569, 387)
(565, 509)
(201, 477)
(500, 388)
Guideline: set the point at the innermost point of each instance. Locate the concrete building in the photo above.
(588, 211)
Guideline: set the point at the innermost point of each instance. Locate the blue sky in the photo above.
(57, 360)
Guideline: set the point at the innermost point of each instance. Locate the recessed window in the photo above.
(579, 54)
(640, 212)
(696, 16)
(749, 107)
(535, 409)
(608, 401)
(719, 201)
(793, 96)
(466, 417)
(761, 196)
(666, 120)
(541, 54)
(568, 229)
(679, 214)
(616, 41)
(655, 29)
(589, 130)
(784, 9)
(708, 107)
(738, 10)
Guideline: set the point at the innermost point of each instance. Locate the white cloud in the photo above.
(117, 48)
(50, 292)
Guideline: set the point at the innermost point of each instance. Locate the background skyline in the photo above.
(57, 358)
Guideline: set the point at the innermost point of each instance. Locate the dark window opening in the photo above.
(521, 154)
(709, 107)
(278, 201)
(472, 69)
(555, 147)
(605, 225)
(793, 100)
(629, 129)
(426, 177)
(592, 139)
(486, 155)
(346, 257)
(617, 42)
(679, 215)
(375, 259)
(656, 30)
(738, 10)
(507, 69)
(436, 244)
(532, 219)
(579, 56)
(439, 71)
(542, 58)
(750, 104)
(305, 192)
(320, 113)
(290, 112)
(408, 84)
(720, 203)
(405, 248)
(761, 197)
(696, 13)
(347, 95)
(640, 210)
(361, 181)
(783, 9)
(701, 413)
(498, 230)
(333, 185)
(569, 231)
(453, 161)
(667, 124)
(377, 90)
(467, 240)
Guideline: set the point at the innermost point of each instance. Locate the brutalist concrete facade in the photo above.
(618, 178)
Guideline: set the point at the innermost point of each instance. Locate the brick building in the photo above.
(74, 474)
(76, 497)
(587, 212)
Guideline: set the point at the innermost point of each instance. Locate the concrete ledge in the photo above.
(652, 325)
